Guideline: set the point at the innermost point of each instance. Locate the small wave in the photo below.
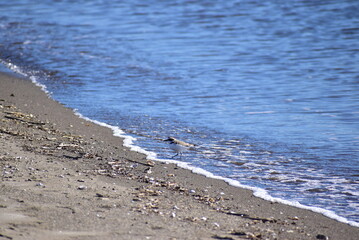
(264, 112)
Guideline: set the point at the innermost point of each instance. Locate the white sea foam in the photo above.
(42, 86)
(128, 140)
(20, 71)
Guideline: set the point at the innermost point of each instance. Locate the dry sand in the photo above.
(65, 178)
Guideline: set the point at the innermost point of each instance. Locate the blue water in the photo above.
(267, 90)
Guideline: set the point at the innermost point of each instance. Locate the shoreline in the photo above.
(88, 162)
(257, 192)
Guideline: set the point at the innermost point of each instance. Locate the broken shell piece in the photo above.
(216, 224)
(150, 163)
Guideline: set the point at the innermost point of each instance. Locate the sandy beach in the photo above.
(63, 177)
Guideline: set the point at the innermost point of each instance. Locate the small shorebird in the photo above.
(178, 146)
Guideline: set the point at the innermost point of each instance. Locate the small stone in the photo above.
(251, 236)
(321, 236)
(81, 187)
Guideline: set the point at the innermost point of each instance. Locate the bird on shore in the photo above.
(178, 146)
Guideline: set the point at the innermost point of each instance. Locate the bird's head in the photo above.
(170, 139)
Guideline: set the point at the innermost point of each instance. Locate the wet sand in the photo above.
(66, 178)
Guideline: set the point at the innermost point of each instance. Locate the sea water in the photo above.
(268, 91)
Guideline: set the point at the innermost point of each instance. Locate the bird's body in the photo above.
(178, 146)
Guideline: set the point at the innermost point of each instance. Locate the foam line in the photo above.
(19, 70)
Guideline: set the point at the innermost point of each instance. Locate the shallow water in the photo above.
(268, 91)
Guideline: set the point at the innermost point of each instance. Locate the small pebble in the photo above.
(321, 236)
(82, 187)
